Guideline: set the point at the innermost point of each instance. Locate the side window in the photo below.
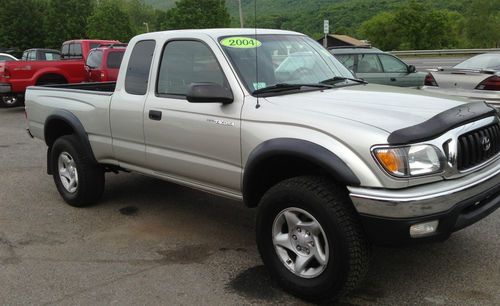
(65, 50)
(52, 56)
(392, 64)
(32, 56)
(369, 63)
(139, 65)
(186, 62)
(347, 60)
(25, 56)
(114, 60)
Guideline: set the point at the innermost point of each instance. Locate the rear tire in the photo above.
(11, 100)
(79, 180)
(310, 219)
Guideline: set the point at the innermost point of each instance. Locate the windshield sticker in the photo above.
(240, 42)
(259, 85)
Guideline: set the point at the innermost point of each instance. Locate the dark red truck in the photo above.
(103, 63)
(17, 75)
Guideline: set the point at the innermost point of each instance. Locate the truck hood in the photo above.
(385, 107)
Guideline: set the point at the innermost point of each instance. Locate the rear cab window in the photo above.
(139, 66)
(114, 59)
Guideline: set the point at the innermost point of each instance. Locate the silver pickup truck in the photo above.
(333, 164)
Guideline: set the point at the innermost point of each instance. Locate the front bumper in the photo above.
(388, 214)
(5, 88)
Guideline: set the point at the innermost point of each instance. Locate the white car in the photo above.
(4, 57)
(477, 78)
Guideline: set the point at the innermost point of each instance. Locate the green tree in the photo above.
(21, 24)
(109, 21)
(65, 20)
(414, 25)
(382, 31)
(141, 16)
(483, 23)
(195, 14)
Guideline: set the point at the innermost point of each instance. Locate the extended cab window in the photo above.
(139, 65)
(114, 60)
(186, 62)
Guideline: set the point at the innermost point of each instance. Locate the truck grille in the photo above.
(478, 146)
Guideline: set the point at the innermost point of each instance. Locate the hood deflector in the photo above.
(441, 123)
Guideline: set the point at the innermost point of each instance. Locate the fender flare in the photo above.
(71, 120)
(303, 149)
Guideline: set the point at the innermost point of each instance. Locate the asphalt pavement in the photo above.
(155, 243)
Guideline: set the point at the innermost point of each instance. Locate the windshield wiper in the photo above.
(285, 87)
(337, 79)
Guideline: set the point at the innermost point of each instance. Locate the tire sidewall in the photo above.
(335, 274)
(68, 145)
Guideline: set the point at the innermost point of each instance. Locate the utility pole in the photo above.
(241, 13)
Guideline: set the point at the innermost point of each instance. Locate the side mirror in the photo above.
(411, 69)
(209, 93)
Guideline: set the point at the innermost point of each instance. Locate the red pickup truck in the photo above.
(17, 75)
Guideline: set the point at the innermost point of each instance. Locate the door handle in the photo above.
(393, 79)
(155, 115)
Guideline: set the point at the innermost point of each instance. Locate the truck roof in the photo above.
(215, 33)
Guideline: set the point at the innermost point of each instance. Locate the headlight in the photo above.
(410, 160)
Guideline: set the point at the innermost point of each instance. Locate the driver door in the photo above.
(193, 143)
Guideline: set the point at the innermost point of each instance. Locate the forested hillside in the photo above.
(388, 24)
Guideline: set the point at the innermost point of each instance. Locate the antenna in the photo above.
(256, 52)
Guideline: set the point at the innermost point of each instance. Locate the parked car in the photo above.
(103, 63)
(376, 66)
(5, 57)
(41, 55)
(476, 78)
(333, 164)
(15, 76)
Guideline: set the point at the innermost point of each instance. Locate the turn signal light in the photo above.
(392, 160)
(491, 83)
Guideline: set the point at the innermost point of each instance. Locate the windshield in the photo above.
(94, 59)
(483, 61)
(281, 59)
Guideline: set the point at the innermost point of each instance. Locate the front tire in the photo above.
(79, 181)
(310, 239)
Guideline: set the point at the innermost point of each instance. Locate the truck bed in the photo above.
(102, 87)
(89, 102)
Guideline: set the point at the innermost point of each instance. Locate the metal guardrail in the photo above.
(444, 51)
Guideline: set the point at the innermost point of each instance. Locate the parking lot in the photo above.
(152, 242)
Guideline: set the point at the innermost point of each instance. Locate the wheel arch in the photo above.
(281, 158)
(62, 122)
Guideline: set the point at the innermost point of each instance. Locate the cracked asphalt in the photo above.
(152, 242)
